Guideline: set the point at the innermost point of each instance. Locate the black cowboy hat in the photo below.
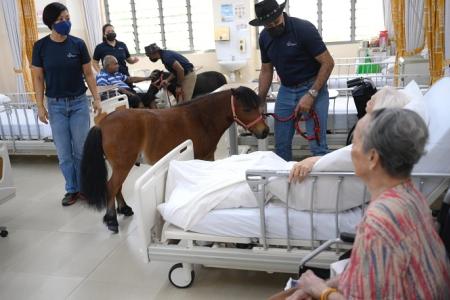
(152, 48)
(267, 11)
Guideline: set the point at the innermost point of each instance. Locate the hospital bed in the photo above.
(274, 237)
(24, 134)
(7, 188)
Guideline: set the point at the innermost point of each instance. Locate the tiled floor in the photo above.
(55, 252)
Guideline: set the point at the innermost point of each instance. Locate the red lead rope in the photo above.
(297, 121)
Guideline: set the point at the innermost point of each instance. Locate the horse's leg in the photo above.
(118, 176)
(122, 207)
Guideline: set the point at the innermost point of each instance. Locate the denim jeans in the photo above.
(70, 123)
(284, 131)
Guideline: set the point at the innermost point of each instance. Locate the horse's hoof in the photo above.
(111, 223)
(125, 210)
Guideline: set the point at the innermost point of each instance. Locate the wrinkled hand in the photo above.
(97, 105)
(43, 114)
(311, 284)
(305, 104)
(301, 169)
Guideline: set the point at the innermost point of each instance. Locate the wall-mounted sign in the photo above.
(227, 13)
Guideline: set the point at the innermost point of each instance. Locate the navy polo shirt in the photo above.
(119, 51)
(62, 63)
(168, 57)
(292, 53)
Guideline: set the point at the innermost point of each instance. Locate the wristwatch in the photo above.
(313, 93)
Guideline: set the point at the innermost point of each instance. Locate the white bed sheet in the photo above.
(18, 119)
(245, 222)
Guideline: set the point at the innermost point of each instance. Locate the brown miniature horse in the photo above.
(124, 135)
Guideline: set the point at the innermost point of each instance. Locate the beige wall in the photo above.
(206, 60)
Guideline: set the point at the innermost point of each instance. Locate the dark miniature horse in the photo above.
(206, 83)
(122, 136)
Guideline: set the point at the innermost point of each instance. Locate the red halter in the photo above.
(235, 117)
(297, 121)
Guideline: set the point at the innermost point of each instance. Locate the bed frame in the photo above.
(161, 241)
(24, 134)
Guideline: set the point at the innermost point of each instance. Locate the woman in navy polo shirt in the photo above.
(111, 46)
(58, 65)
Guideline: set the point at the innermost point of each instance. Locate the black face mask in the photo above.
(111, 36)
(276, 31)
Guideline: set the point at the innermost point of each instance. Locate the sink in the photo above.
(232, 65)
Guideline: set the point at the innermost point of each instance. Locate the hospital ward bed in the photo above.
(273, 236)
(24, 134)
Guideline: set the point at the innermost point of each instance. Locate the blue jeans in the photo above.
(284, 131)
(70, 123)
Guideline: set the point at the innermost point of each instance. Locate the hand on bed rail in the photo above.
(301, 169)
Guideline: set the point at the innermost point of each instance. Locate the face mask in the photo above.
(154, 59)
(276, 31)
(111, 36)
(63, 27)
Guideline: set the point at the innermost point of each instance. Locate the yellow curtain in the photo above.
(434, 22)
(398, 20)
(29, 35)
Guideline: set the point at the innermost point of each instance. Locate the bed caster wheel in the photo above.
(181, 276)
(4, 233)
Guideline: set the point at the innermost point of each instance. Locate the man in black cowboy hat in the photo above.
(181, 70)
(296, 50)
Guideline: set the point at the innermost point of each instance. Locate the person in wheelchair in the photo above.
(110, 76)
(397, 253)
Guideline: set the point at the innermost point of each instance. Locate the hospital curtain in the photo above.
(414, 26)
(434, 20)
(91, 11)
(29, 35)
(398, 21)
(388, 24)
(447, 32)
(11, 13)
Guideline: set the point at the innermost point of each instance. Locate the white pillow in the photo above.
(417, 104)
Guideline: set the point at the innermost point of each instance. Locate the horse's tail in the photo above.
(93, 170)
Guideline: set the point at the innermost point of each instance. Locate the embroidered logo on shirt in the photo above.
(291, 44)
(70, 55)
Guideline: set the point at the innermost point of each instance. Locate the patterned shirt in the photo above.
(117, 79)
(397, 253)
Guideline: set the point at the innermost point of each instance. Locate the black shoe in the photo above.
(69, 199)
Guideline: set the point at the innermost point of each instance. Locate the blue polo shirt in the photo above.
(119, 51)
(62, 63)
(292, 53)
(117, 79)
(168, 57)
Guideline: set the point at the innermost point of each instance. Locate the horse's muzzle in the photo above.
(263, 134)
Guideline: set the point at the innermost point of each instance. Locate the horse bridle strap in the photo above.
(235, 117)
(297, 120)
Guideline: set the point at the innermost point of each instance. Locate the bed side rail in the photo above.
(258, 179)
(150, 189)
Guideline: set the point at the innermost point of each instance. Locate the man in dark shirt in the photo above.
(181, 70)
(303, 63)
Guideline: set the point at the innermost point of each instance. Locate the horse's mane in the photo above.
(246, 96)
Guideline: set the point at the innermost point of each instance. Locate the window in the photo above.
(306, 9)
(181, 25)
(333, 18)
(369, 19)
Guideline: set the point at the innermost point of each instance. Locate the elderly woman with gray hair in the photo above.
(397, 253)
